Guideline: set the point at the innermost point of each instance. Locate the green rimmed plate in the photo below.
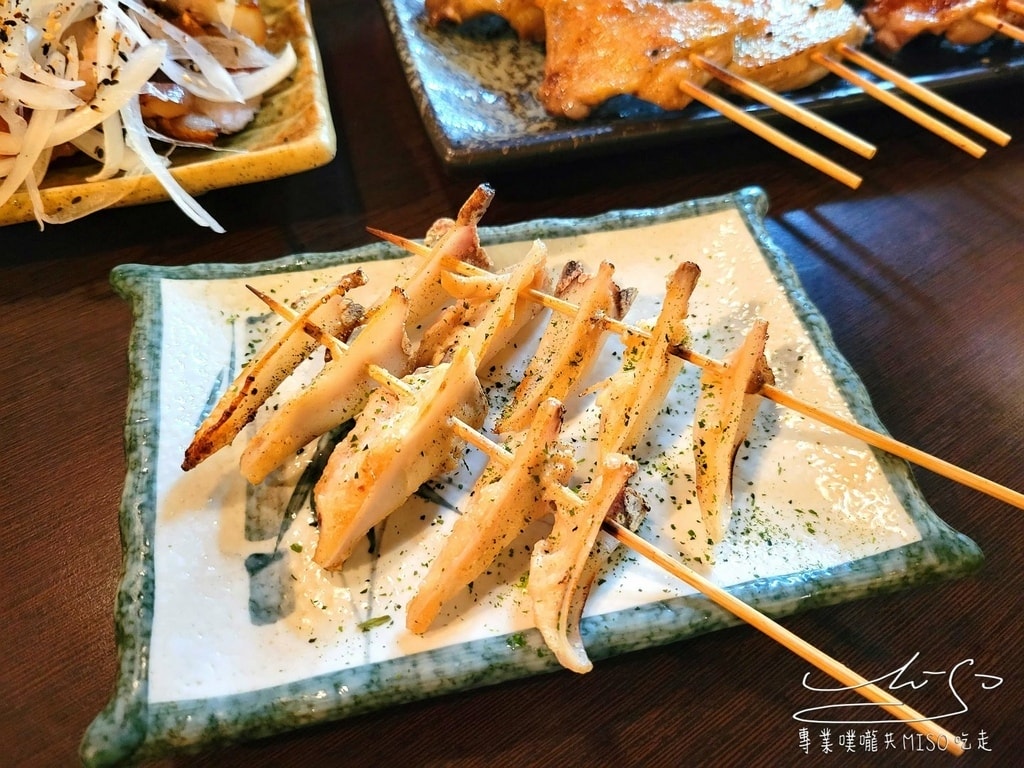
(227, 631)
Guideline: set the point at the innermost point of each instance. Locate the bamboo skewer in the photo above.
(739, 609)
(784, 637)
(993, 22)
(925, 95)
(784, 106)
(869, 436)
(770, 134)
(328, 340)
(906, 109)
(896, 448)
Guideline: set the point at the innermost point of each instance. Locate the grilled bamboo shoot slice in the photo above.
(278, 359)
(399, 441)
(490, 311)
(569, 345)
(337, 393)
(726, 407)
(498, 511)
(563, 565)
(631, 399)
(448, 239)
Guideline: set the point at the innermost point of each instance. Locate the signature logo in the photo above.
(911, 675)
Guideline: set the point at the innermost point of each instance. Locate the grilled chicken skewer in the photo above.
(961, 22)
(603, 48)
(776, 40)
(663, 53)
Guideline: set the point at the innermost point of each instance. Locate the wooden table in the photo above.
(919, 273)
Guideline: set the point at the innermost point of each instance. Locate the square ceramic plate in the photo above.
(292, 132)
(476, 87)
(227, 630)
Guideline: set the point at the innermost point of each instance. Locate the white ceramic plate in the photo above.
(292, 132)
(228, 631)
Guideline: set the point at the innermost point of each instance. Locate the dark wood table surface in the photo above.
(919, 272)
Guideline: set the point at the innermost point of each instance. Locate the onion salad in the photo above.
(116, 79)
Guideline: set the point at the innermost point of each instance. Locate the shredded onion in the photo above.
(141, 66)
(216, 82)
(135, 137)
(71, 74)
(252, 84)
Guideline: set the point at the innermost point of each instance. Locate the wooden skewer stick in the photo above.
(326, 339)
(925, 95)
(905, 108)
(738, 608)
(895, 447)
(387, 379)
(992, 21)
(770, 134)
(784, 106)
(1015, 6)
(783, 636)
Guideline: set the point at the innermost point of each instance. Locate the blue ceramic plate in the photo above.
(227, 630)
(476, 88)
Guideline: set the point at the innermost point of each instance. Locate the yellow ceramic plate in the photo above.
(292, 132)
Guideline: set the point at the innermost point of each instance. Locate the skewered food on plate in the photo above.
(503, 502)
(414, 429)
(564, 564)
(338, 392)
(776, 44)
(670, 53)
(630, 399)
(447, 240)
(603, 48)
(331, 311)
(488, 312)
